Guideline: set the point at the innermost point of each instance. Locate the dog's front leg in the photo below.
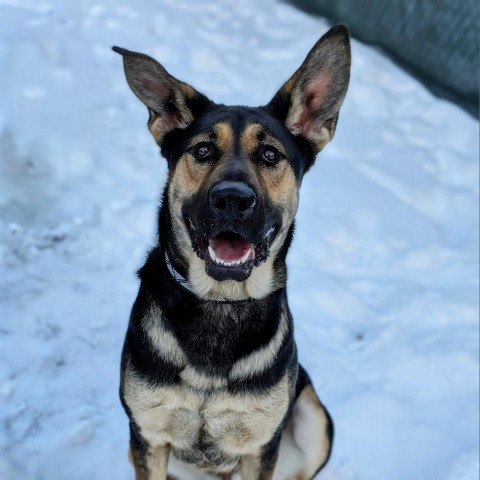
(255, 468)
(150, 463)
(261, 466)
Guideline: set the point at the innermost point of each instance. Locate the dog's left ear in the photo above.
(171, 103)
(309, 102)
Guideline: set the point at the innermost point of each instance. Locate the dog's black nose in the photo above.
(232, 199)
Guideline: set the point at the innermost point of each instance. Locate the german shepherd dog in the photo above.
(210, 379)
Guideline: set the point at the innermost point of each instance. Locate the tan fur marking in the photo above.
(249, 139)
(187, 90)
(157, 460)
(261, 359)
(290, 83)
(282, 188)
(281, 184)
(164, 123)
(305, 444)
(152, 465)
(200, 380)
(270, 140)
(224, 136)
(201, 137)
(252, 469)
(250, 466)
(162, 340)
(189, 175)
(324, 137)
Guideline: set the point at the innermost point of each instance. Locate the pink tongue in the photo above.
(231, 248)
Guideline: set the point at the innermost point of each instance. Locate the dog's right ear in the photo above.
(171, 103)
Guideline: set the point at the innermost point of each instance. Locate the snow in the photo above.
(383, 279)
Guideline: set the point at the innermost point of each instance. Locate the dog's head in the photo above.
(235, 172)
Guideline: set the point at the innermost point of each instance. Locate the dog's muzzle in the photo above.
(234, 235)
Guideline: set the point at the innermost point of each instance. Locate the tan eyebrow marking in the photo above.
(249, 139)
(274, 142)
(221, 134)
(254, 135)
(201, 137)
(224, 133)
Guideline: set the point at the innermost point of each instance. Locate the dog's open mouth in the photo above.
(229, 255)
(230, 250)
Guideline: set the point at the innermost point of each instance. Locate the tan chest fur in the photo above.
(184, 415)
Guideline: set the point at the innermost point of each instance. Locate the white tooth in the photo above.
(213, 256)
(245, 257)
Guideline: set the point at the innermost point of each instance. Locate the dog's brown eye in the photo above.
(202, 151)
(270, 155)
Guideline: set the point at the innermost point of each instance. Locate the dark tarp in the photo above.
(437, 39)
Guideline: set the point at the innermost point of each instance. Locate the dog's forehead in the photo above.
(230, 125)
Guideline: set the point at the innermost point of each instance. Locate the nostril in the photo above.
(220, 203)
(245, 204)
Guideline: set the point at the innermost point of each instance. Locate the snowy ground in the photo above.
(383, 272)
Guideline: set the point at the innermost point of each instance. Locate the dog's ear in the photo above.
(309, 102)
(171, 103)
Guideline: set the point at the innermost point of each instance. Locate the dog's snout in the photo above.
(229, 198)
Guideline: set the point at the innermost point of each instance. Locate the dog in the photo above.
(210, 379)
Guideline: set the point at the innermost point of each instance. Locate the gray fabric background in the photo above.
(437, 39)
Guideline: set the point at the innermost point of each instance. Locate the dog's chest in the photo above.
(202, 421)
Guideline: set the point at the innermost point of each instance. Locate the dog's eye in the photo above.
(202, 151)
(270, 155)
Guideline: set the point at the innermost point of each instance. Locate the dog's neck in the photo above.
(177, 276)
(185, 284)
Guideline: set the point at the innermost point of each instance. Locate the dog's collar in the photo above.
(185, 284)
(178, 277)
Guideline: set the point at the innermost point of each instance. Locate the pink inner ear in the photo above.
(316, 90)
(157, 86)
(312, 98)
(165, 123)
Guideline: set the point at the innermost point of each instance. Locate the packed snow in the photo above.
(383, 272)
